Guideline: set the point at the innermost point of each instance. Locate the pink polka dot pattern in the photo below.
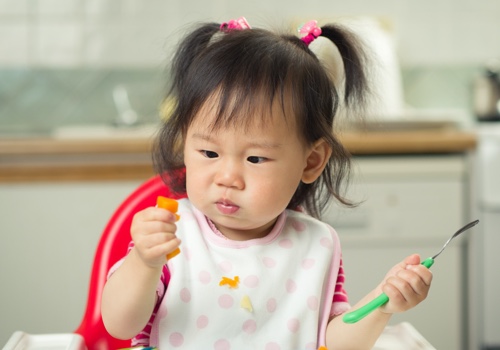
(222, 344)
(226, 301)
(312, 303)
(286, 243)
(311, 346)
(308, 263)
(299, 226)
(272, 346)
(251, 281)
(327, 243)
(249, 326)
(205, 277)
(185, 295)
(226, 266)
(271, 305)
(269, 262)
(176, 339)
(293, 325)
(291, 286)
(202, 322)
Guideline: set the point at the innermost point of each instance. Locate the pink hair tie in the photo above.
(311, 31)
(235, 24)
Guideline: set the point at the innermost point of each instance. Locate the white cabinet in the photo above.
(49, 236)
(411, 204)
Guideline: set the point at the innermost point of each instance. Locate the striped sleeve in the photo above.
(340, 303)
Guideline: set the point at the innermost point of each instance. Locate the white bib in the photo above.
(270, 293)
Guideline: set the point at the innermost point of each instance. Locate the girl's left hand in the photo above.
(406, 284)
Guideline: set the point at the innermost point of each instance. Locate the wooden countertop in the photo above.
(408, 142)
(48, 159)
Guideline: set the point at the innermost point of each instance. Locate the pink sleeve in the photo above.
(340, 303)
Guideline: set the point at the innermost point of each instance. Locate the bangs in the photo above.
(243, 107)
(239, 86)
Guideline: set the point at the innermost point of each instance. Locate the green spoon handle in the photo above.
(428, 262)
(356, 315)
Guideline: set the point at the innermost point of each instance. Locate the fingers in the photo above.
(152, 228)
(153, 232)
(155, 214)
(152, 220)
(423, 272)
(156, 254)
(407, 288)
(413, 259)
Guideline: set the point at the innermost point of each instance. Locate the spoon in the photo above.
(356, 315)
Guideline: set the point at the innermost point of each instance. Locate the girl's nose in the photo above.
(230, 175)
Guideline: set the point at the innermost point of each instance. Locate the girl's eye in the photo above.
(256, 160)
(209, 154)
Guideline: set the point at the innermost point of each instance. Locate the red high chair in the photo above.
(111, 248)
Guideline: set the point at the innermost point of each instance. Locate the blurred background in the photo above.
(60, 60)
(69, 65)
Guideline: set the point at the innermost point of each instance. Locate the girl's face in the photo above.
(242, 178)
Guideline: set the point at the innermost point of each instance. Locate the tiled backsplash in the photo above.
(440, 87)
(61, 59)
(37, 100)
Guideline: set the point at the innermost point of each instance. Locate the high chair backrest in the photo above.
(111, 248)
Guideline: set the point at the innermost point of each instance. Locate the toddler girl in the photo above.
(253, 129)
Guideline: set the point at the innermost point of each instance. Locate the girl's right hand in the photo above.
(153, 232)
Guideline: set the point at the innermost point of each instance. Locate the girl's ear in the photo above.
(316, 161)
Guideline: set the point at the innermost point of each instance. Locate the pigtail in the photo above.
(353, 97)
(356, 88)
(188, 50)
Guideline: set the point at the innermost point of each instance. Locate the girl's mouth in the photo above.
(226, 207)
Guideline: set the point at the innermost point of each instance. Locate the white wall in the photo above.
(114, 33)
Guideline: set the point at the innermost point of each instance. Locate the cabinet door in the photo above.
(49, 236)
(416, 198)
(408, 205)
(439, 317)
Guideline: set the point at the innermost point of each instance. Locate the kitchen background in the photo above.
(61, 59)
(62, 62)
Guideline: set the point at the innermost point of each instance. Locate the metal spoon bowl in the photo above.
(463, 229)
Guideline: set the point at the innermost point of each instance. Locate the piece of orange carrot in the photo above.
(172, 206)
(167, 203)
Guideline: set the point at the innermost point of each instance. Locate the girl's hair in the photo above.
(252, 69)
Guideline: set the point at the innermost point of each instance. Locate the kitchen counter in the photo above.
(408, 142)
(52, 159)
